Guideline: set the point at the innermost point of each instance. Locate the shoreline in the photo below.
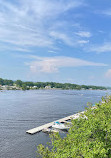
(1, 90)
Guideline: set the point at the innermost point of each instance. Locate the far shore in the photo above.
(8, 89)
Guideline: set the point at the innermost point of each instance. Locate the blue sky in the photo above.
(56, 40)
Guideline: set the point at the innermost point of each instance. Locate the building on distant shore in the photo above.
(47, 87)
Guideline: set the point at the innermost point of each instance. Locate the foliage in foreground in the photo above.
(88, 137)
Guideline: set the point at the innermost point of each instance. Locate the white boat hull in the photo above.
(60, 126)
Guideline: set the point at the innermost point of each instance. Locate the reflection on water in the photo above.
(23, 110)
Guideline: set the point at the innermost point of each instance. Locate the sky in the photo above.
(66, 41)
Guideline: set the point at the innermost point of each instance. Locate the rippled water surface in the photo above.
(23, 110)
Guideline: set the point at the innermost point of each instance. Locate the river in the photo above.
(23, 110)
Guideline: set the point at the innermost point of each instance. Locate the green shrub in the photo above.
(87, 138)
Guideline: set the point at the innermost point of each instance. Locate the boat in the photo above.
(59, 125)
(48, 130)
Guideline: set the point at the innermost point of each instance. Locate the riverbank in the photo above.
(18, 85)
(2, 88)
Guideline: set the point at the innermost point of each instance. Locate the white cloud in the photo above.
(108, 74)
(83, 34)
(107, 12)
(7, 47)
(53, 64)
(52, 51)
(30, 23)
(83, 41)
(63, 37)
(46, 8)
(106, 47)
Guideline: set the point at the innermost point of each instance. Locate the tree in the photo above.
(8, 82)
(89, 137)
(1, 81)
(19, 83)
(24, 87)
(30, 84)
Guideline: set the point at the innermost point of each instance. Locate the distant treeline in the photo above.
(38, 85)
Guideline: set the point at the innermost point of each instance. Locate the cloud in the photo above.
(45, 8)
(10, 47)
(83, 34)
(53, 64)
(52, 51)
(108, 74)
(106, 47)
(26, 23)
(107, 12)
(67, 39)
(63, 37)
(83, 41)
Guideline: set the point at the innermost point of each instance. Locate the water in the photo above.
(23, 110)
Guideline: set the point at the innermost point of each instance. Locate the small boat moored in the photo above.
(60, 126)
(48, 130)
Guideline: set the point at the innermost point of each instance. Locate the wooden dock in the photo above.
(40, 128)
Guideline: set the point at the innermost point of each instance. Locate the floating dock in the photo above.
(40, 128)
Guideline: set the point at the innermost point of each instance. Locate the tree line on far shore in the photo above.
(49, 85)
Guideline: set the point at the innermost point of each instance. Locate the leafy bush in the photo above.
(89, 137)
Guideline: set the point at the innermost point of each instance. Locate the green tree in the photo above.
(1, 81)
(89, 137)
(19, 83)
(8, 82)
(24, 87)
(30, 84)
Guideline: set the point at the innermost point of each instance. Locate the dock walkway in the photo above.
(40, 128)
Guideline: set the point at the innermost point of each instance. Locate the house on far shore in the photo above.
(4, 87)
(47, 87)
(34, 87)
